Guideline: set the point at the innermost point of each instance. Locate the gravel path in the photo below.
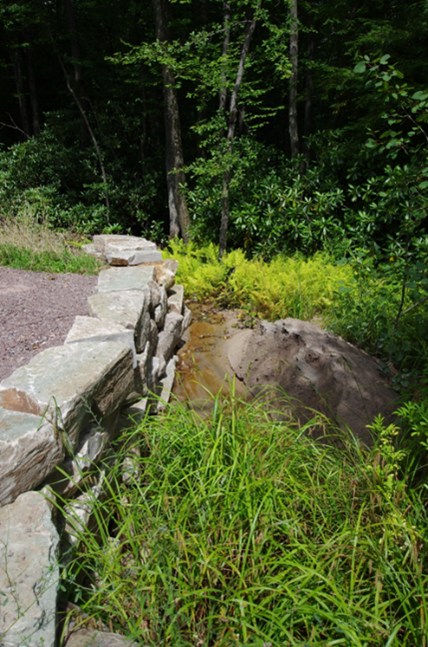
(36, 311)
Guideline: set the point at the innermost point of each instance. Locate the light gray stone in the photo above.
(155, 294)
(102, 240)
(128, 308)
(79, 513)
(133, 257)
(161, 309)
(90, 249)
(169, 336)
(187, 319)
(125, 278)
(166, 383)
(176, 299)
(65, 383)
(101, 330)
(165, 273)
(137, 409)
(29, 450)
(29, 573)
(91, 448)
(87, 637)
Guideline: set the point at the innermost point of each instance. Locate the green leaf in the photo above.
(360, 68)
(384, 60)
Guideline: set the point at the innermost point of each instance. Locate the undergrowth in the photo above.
(28, 245)
(238, 530)
(285, 287)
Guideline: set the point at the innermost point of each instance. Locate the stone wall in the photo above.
(63, 409)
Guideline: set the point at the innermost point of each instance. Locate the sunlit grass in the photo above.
(238, 530)
(28, 245)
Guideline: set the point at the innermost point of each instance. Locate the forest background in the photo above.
(275, 127)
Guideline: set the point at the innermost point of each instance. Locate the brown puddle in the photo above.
(203, 368)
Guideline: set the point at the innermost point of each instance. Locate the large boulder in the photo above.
(312, 370)
(29, 573)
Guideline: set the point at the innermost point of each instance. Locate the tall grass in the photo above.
(238, 530)
(29, 245)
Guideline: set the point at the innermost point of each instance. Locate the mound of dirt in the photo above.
(310, 368)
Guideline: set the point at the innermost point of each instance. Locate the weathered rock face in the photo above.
(65, 383)
(29, 450)
(29, 573)
(125, 250)
(125, 278)
(313, 369)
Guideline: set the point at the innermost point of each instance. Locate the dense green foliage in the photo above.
(238, 530)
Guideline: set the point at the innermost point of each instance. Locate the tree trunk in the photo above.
(75, 53)
(233, 111)
(292, 108)
(19, 83)
(33, 92)
(309, 92)
(178, 213)
(225, 48)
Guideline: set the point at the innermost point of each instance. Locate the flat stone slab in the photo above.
(133, 257)
(29, 573)
(85, 328)
(125, 278)
(102, 242)
(29, 450)
(128, 308)
(65, 383)
(176, 299)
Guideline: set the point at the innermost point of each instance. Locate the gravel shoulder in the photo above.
(36, 311)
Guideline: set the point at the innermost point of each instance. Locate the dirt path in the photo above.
(36, 311)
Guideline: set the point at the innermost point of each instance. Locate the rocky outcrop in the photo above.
(311, 370)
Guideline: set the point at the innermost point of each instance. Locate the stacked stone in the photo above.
(64, 407)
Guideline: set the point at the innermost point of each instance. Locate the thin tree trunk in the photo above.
(178, 213)
(19, 83)
(309, 92)
(233, 111)
(90, 131)
(292, 108)
(33, 92)
(75, 52)
(225, 48)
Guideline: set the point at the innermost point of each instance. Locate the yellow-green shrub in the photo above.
(285, 287)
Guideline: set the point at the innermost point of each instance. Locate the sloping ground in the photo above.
(36, 312)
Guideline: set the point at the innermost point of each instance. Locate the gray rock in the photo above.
(169, 336)
(166, 383)
(165, 273)
(29, 450)
(29, 573)
(91, 448)
(312, 370)
(85, 328)
(128, 308)
(79, 513)
(90, 249)
(161, 309)
(66, 383)
(133, 257)
(125, 278)
(176, 299)
(137, 410)
(102, 241)
(87, 637)
(187, 319)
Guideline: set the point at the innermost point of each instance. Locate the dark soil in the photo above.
(36, 311)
